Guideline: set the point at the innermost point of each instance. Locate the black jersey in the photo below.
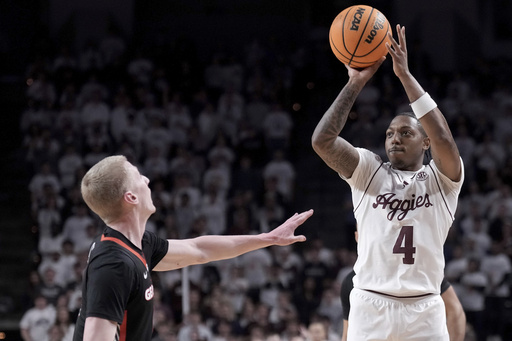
(347, 285)
(117, 284)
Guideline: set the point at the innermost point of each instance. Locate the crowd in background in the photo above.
(216, 139)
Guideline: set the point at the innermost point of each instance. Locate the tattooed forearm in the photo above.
(327, 143)
(335, 117)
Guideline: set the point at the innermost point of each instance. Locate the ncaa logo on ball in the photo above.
(357, 19)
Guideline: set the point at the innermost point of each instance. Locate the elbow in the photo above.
(318, 143)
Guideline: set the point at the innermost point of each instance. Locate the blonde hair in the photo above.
(104, 185)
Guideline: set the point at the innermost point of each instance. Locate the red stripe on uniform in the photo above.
(122, 330)
(123, 244)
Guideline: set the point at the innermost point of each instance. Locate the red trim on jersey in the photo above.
(122, 330)
(123, 244)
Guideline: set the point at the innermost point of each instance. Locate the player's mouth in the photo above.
(395, 150)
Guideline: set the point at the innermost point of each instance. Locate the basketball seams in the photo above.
(378, 45)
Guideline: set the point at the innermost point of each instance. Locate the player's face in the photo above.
(140, 186)
(405, 144)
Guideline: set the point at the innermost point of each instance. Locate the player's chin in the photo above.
(396, 161)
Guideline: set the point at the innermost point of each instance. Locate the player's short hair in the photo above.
(104, 185)
(412, 115)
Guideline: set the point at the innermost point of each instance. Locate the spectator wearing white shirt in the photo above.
(155, 165)
(208, 122)
(498, 268)
(231, 106)
(75, 226)
(95, 110)
(157, 136)
(277, 127)
(141, 68)
(472, 296)
(68, 165)
(44, 177)
(284, 171)
(36, 322)
(119, 116)
(179, 119)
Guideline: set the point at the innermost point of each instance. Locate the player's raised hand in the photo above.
(398, 51)
(284, 234)
(364, 75)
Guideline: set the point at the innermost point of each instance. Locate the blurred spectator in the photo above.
(140, 68)
(49, 288)
(179, 119)
(208, 122)
(231, 106)
(316, 331)
(112, 46)
(44, 176)
(277, 128)
(75, 226)
(68, 165)
(155, 165)
(49, 223)
(331, 310)
(95, 110)
(235, 285)
(473, 283)
(284, 171)
(193, 329)
(119, 115)
(64, 323)
(270, 213)
(213, 208)
(89, 58)
(269, 291)
(497, 267)
(42, 90)
(37, 321)
(290, 262)
(256, 267)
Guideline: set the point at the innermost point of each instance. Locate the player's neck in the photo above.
(132, 227)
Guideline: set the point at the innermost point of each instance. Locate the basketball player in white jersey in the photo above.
(403, 209)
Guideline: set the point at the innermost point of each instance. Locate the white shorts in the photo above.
(378, 317)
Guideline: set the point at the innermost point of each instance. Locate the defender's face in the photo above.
(140, 186)
(405, 144)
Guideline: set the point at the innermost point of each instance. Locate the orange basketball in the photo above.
(358, 36)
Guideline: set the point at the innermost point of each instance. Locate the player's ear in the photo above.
(130, 198)
(426, 143)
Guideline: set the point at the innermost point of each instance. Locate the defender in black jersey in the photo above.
(455, 317)
(117, 296)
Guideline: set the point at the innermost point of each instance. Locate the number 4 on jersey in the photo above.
(404, 244)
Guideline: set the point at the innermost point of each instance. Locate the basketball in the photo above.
(358, 36)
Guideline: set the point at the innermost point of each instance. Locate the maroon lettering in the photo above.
(400, 207)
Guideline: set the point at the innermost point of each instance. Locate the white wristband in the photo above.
(423, 105)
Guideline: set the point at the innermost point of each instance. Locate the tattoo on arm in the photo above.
(329, 128)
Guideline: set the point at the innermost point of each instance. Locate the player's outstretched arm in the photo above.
(336, 152)
(444, 150)
(206, 249)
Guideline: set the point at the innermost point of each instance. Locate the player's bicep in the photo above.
(98, 329)
(181, 253)
(341, 156)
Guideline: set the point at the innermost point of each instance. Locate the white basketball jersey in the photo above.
(403, 219)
